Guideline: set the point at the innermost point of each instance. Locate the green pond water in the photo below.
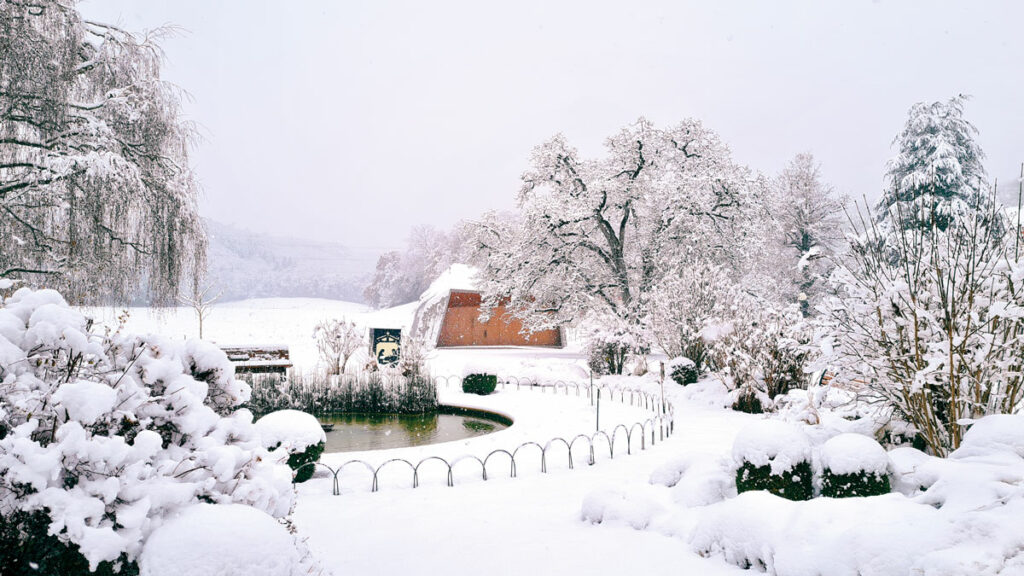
(357, 432)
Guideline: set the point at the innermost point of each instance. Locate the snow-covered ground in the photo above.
(669, 509)
(288, 321)
(528, 525)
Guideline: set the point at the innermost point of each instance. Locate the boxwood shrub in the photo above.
(853, 465)
(851, 485)
(793, 484)
(683, 371)
(482, 384)
(298, 461)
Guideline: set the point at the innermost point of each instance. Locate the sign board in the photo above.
(386, 345)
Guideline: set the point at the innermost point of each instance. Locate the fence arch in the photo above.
(511, 459)
(543, 455)
(376, 473)
(568, 447)
(464, 458)
(590, 446)
(416, 470)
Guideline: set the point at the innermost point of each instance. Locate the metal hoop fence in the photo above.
(659, 426)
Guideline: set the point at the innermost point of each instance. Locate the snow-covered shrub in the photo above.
(748, 399)
(103, 437)
(683, 371)
(636, 507)
(939, 268)
(297, 433)
(227, 540)
(608, 349)
(853, 465)
(766, 349)
(336, 341)
(699, 293)
(948, 516)
(773, 456)
(944, 346)
(697, 479)
(414, 358)
(482, 384)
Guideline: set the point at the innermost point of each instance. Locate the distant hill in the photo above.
(245, 264)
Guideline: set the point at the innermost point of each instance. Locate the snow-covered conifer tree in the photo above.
(937, 175)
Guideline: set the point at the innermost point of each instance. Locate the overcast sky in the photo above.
(353, 121)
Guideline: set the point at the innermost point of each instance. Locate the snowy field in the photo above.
(288, 321)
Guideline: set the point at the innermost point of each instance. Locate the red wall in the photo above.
(462, 326)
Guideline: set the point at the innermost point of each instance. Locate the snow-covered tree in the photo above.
(201, 301)
(938, 174)
(936, 333)
(698, 295)
(96, 193)
(810, 220)
(401, 277)
(594, 236)
(103, 438)
(337, 340)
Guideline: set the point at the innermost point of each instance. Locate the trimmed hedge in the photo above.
(317, 393)
(794, 484)
(852, 485)
(298, 461)
(482, 384)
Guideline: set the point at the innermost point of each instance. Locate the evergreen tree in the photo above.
(938, 176)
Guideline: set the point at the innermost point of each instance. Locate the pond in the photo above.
(357, 432)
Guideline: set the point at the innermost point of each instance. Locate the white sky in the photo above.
(353, 121)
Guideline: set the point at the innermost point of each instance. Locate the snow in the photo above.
(533, 524)
(852, 454)
(670, 509)
(85, 401)
(256, 322)
(997, 433)
(220, 540)
(770, 442)
(679, 361)
(292, 429)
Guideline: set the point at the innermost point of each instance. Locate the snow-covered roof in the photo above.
(426, 322)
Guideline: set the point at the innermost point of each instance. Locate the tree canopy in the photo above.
(96, 193)
(596, 236)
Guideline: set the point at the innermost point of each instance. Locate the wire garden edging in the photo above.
(659, 426)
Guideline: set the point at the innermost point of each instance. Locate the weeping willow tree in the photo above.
(96, 195)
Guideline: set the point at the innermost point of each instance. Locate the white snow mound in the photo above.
(996, 433)
(851, 453)
(290, 428)
(220, 540)
(771, 442)
(85, 401)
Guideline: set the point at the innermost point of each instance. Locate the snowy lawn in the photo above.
(288, 321)
(528, 525)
